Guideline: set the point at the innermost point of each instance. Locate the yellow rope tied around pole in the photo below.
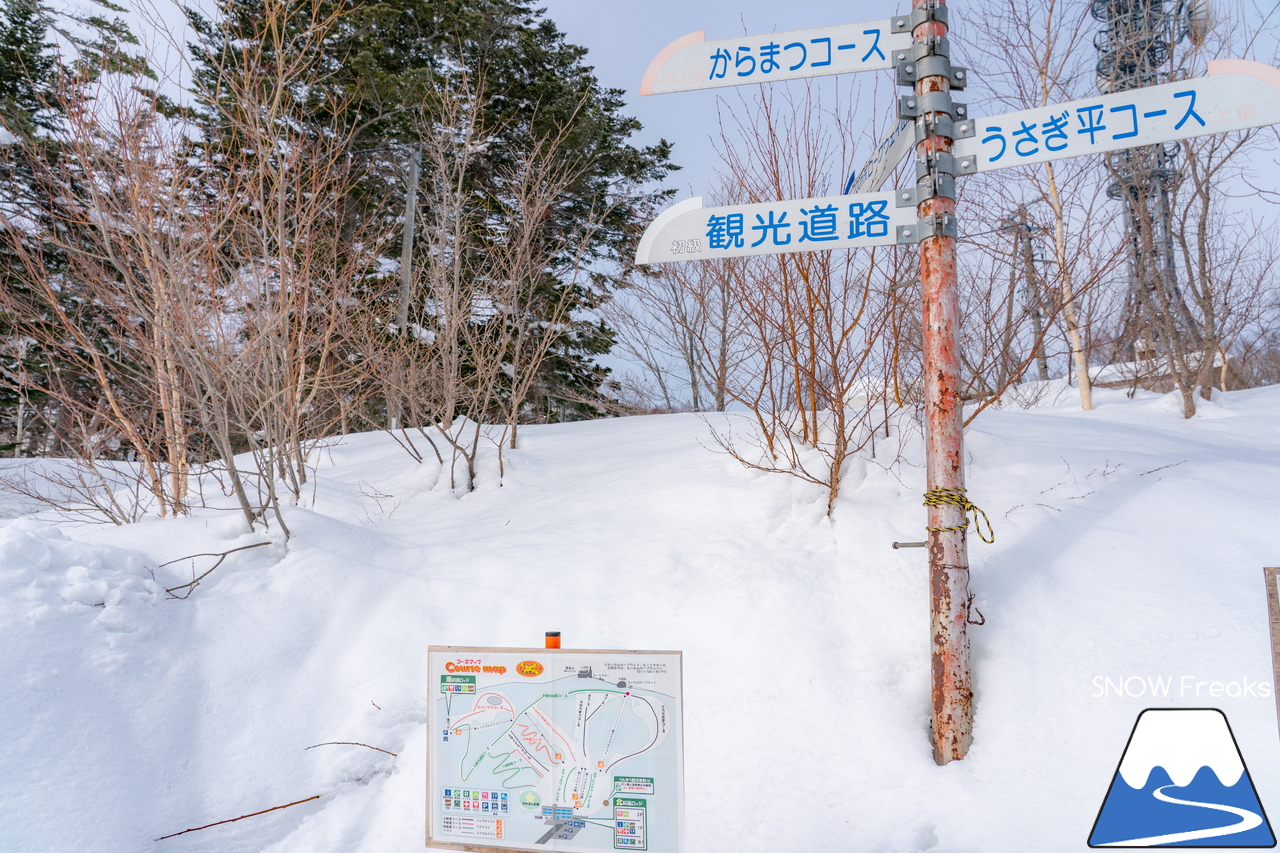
(956, 497)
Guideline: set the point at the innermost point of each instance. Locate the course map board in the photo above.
(554, 749)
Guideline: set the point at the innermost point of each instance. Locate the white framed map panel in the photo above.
(570, 750)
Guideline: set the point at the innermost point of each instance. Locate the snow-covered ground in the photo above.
(1129, 548)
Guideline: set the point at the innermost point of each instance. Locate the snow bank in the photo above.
(54, 578)
(1128, 559)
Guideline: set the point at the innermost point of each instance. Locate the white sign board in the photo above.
(896, 144)
(551, 749)
(689, 232)
(1272, 576)
(690, 63)
(1236, 94)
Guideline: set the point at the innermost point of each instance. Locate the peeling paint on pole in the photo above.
(952, 728)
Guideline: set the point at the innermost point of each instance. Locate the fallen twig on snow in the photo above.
(221, 555)
(1162, 467)
(242, 817)
(349, 743)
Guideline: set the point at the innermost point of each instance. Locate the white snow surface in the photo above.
(1129, 545)
(1181, 741)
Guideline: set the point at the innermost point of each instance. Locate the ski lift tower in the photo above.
(1135, 45)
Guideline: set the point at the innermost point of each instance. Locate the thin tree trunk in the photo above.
(1068, 296)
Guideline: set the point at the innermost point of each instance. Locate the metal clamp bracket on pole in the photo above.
(914, 106)
(938, 225)
(934, 124)
(965, 129)
(932, 46)
(938, 186)
(935, 225)
(936, 162)
(929, 66)
(924, 14)
(907, 71)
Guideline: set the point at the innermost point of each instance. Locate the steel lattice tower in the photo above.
(1135, 46)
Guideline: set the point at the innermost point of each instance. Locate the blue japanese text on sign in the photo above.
(1224, 100)
(688, 232)
(690, 63)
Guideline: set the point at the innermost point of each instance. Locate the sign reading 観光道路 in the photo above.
(689, 232)
(554, 749)
(1235, 95)
(690, 63)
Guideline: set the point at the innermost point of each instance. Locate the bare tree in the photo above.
(538, 273)
(1053, 40)
(802, 345)
(1013, 299)
(104, 322)
(492, 291)
(675, 325)
(202, 305)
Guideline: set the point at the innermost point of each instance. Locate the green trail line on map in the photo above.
(512, 768)
(526, 709)
(540, 733)
(466, 773)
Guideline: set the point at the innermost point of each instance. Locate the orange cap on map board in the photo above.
(553, 639)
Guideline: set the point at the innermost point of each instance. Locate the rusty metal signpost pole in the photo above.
(930, 69)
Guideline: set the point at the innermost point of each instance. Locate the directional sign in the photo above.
(1237, 94)
(690, 62)
(689, 232)
(896, 144)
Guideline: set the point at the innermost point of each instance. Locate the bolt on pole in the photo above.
(952, 729)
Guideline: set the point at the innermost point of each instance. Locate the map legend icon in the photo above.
(628, 828)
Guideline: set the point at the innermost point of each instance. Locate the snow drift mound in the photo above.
(57, 577)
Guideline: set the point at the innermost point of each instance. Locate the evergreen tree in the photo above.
(27, 66)
(27, 63)
(35, 85)
(387, 66)
(30, 64)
